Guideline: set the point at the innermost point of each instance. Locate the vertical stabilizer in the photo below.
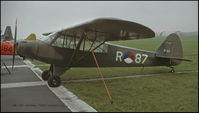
(171, 47)
(8, 34)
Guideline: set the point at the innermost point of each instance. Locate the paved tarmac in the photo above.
(23, 91)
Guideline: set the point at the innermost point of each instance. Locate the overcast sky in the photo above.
(45, 16)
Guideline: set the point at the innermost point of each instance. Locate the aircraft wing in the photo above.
(108, 29)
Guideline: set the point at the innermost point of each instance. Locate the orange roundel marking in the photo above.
(7, 48)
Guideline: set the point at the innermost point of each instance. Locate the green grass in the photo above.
(165, 92)
(168, 92)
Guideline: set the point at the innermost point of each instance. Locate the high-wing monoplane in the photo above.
(86, 45)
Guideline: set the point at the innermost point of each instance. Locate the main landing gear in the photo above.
(53, 75)
(172, 69)
(53, 80)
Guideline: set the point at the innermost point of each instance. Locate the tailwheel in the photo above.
(54, 81)
(172, 70)
(45, 75)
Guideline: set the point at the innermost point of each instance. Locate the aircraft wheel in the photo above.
(54, 81)
(45, 75)
(172, 70)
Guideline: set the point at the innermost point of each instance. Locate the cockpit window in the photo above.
(71, 41)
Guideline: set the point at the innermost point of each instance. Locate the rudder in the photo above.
(171, 47)
(8, 34)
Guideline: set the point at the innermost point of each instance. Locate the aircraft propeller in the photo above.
(15, 39)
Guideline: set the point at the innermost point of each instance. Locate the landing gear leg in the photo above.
(53, 80)
(55, 72)
(172, 69)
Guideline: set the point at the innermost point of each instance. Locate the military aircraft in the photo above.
(86, 45)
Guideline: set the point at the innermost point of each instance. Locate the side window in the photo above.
(64, 40)
(100, 49)
(85, 46)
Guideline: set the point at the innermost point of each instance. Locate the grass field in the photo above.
(165, 92)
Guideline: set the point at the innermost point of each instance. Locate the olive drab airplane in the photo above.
(83, 45)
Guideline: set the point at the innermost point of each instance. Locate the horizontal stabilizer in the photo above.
(181, 59)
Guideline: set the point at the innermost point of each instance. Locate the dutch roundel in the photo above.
(129, 57)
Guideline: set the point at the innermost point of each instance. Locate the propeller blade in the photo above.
(15, 39)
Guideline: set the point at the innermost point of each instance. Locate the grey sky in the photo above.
(45, 16)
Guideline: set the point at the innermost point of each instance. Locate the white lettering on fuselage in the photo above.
(129, 57)
(119, 55)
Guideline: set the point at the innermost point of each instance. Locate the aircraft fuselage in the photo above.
(114, 56)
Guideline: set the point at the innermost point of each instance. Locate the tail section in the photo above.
(8, 34)
(32, 36)
(171, 49)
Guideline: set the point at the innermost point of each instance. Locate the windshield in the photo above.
(49, 38)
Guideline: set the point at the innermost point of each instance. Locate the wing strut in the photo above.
(91, 49)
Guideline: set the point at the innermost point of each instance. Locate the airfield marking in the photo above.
(121, 77)
(22, 84)
(19, 66)
(72, 101)
(68, 98)
(15, 66)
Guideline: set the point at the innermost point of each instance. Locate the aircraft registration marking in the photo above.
(6, 49)
(129, 57)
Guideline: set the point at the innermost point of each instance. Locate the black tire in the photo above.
(54, 81)
(172, 70)
(45, 75)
